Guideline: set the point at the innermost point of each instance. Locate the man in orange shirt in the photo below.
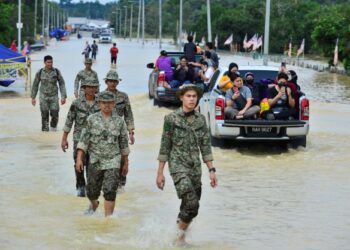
(114, 51)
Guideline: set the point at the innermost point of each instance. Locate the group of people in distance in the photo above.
(93, 49)
(188, 70)
(245, 98)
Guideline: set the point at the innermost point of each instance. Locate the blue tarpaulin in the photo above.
(10, 61)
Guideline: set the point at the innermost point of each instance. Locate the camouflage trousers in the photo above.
(80, 178)
(49, 106)
(105, 180)
(189, 190)
(122, 179)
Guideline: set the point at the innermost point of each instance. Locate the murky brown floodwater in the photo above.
(268, 198)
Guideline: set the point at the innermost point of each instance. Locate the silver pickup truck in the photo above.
(212, 106)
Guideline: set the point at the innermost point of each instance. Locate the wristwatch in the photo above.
(212, 170)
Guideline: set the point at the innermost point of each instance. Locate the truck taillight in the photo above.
(219, 109)
(161, 79)
(305, 109)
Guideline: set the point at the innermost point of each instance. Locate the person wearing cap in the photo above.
(185, 136)
(78, 113)
(163, 63)
(105, 139)
(88, 72)
(123, 109)
(239, 101)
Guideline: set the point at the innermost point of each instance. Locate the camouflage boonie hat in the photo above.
(106, 96)
(186, 87)
(88, 61)
(90, 81)
(112, 75)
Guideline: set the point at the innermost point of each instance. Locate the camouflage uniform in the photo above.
(48, 96)
(78, 114)
(184, 136)
(82, 75)
(123, 109)
(105, 141)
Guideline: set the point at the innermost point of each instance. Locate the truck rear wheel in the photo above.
(299, 142)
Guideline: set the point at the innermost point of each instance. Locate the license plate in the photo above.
(262, 131)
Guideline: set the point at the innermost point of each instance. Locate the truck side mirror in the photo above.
(150, 66)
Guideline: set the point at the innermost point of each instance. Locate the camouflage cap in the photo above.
(186, 87)
(88, 61)
(106, 96)
(90, 81)
(112, 75)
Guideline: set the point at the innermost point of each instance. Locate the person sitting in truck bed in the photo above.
(226, 82)
(163, 63)
(205, 74)
(183, 75)
(253, 86)
(281, 100)
(239, 101)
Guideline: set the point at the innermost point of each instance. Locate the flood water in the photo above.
(268, 197)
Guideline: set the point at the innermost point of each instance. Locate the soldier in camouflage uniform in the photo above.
(123, 109)
(185, 135)
(48, 77)
(85, 73)
(78, 113)
(105, 138)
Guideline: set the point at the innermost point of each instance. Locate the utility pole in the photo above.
(126, 15)
(180, 25)
(160, 24)
(138, 22)
(48, 19)
(143, 22)
(19, 26)
(120, 22)
(43, 21)
(267, 32)
(131, 13)
(35, 16)
(209, 21)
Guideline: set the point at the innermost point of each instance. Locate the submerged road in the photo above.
(268, 197)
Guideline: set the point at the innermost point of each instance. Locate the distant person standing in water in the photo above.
(114, 52)
(94, 49)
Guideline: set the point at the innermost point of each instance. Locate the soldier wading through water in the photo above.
(185, 134)
(105, 139)
(123, 109)
(78, 113)
(48, 78)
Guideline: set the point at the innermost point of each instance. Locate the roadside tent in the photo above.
(10, 62)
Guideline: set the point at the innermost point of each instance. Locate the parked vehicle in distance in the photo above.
(105, 38)
(212, 106)
(95, 33)
(156, 79)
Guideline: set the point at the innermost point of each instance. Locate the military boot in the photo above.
(54, 120)
(45, 121)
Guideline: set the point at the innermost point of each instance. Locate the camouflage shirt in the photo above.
(81, 76)
(105, 140)
(123, 109)
(78, 114)
(48, 79)
(182, 140)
